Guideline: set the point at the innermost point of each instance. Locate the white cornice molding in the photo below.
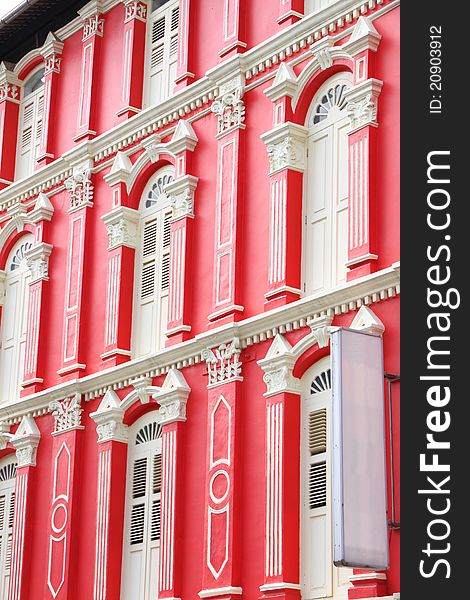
(343, 299)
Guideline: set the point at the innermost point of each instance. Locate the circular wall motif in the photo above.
(219, 486)
(59, 518)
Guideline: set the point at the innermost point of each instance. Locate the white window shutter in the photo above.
(162, 56)
(31, 118)
(143, 517)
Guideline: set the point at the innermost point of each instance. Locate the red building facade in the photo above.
(193, 194)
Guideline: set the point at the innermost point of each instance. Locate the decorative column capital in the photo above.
(108, 419)
(362, 102)
(121, 226)
(135, 9)
(10, 85)
(184, 138)
(67, 414)
(285, 146)
(80, 187)
(181, 195)
(25, 441)
(277, 366)
(52, 53)
(223, 363)
(38, 261)
(229, 107)
(321, 329)
(5, 435)
(364, 37)
(285, 83)
(93, 22)
(173, 397)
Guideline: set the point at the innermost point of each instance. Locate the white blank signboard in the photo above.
(358, 470)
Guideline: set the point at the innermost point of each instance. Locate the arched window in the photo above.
(319, 578)
(142, 521)
(7, 511)
(13, 322)
(30, 124)
(162, 49)
(312, 6)
(152, 274)
(325, 236)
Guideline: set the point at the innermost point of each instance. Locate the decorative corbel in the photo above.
(321, 329)
(321, 50)
(277, 366)
(25, 441)
(172, 397)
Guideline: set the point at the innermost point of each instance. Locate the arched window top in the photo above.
(154, 197)
(34, 82)
(17, 259)
(8, 471)
(321, 383)
(330, 100)
(148, 433)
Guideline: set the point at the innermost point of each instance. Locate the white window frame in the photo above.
(329, 127)
(157, 303)
(316, 563)
(11, 374)
(146, 588)
(314, 6)
(169, 55)
(7, 509)
(26, 159)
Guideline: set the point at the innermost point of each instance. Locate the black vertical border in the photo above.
(421, 133)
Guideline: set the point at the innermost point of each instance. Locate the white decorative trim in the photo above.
(120, 170)
(230, 111)
(285, 145)
(343, 299)
(279, 585)
(368, 322)
(38, 261)
(321, 329)
(284, 84)
(180, 192)
(52, 53)
(122, 227)
(277, 366)
(108, 419)
(25, 441)
(43, 209)
(172, 397)
(362, 102)
(79, 187)
(322, 51)
(3, 276)
(67, 414)
(184, 138)
(10, 85)
(364, 37)
(142, 392)
(135, 9)
(224, 591)
(368, 575)
(223, 363)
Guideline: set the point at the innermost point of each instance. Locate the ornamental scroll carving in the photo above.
(135, 10)
(223, 363)
(80, 187)
(93, 25)
(229, 110)
(67, 413)
(363, 112)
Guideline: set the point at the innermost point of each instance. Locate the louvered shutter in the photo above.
(31, 118)
(7, 512)
(143, 515)
(163, 43)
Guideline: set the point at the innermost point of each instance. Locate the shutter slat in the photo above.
(317, 431)
(148, 280)
(11, 514)
(2, 511)
(155, 521)
(317, 485)
(157, 473)
(157, 57)
(158, 30)
(149, 245)
(165, 272)
(137, 524)
(139, 481)
(175, 17)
